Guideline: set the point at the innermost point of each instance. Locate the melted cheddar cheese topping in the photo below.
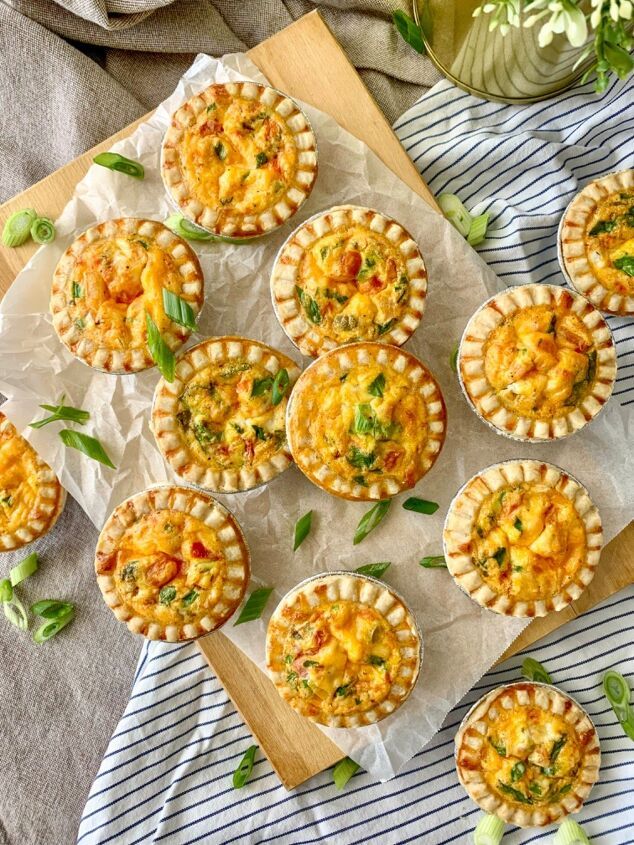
(227, 416)
(19, 485)
(609, 240)
(339, 658)
(352, 284)
(115, 281)
(370, 423)
(238, 157)
(170, 568)
(528, 541)
(529, 756)
(541, 361)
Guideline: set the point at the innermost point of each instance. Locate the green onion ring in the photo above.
(114, 161)
(17, 229)
(50, 628)
(6, 590)
(185, 229)
(15, 612)
(43, 230)
(51, 608)
(24, 569)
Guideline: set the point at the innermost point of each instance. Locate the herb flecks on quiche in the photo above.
(346, 275)
(366, 421)
(596, 242)
(528, 754)
(239, 159)
(537, 362)
(222, 423)
(109, 278)
(172, 563)
(523, 538)
(31, 497)
(343, 650)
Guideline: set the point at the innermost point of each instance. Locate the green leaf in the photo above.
(617, 692)
(281, 384)
(376, 387)
(254, 606)
(343, 771)
(375, 570)
(371, 520)
(167, 595)
(302, 529)
(626, 264)
(161, 354)
(61, 412)
(245, 767)
(309, 305)
(24, 569)
(178, 310)
(433, 562)
(409, 30)
(534, 671)
(90, 446)
(420, 505)
(114, 161)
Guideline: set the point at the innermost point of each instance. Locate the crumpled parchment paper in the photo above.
(461, 640)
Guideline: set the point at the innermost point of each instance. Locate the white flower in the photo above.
(565, 16)
(625, 9)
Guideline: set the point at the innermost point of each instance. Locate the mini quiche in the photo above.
(345, 275)
(596, 242)
(172, 563)
(221, 423)
(528, 754)
(31, 497)
(366, 421)
(343, 649)
(537, 362)
(106, 282)
(523, 538)
(239, 159)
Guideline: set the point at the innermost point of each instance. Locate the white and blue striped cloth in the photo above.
(166, 776)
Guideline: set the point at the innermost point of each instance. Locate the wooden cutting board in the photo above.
(307, 62)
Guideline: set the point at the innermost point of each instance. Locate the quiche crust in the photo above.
(366, 421)
(596, 230)
(536, 781)
(106, 281)
(172, 563)
(581, 341)
(239, 159)
(216, 424)
(348, 273)
(523, 538)
(31, 497)
(343, 649)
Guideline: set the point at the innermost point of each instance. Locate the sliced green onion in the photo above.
(161, 354)
(489, 831)
(280, 386)
(6, 590)
(532, 670)
(245, 767)
(570, 832)
(453, 359)
(114, 161)
(618, 693)
(478, 229)
(51, 608)
(186, 229)
(409, 30)
(302, 529)
(433, 562)
(51, 628)
(371, 520)
(254, 606)
(17, 229)
(90, 446)
(24, 569)
(420, 505)
(456, 213)
(343, 771)
(178, 310)
(15, 612)
(61, 412)
(43, 230)
(375, 570)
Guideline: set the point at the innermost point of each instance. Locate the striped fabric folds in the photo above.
(524, 164)
(166, 776)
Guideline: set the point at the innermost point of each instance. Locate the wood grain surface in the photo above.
(305, 61)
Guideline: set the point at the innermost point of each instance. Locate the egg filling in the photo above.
(338, 657)
(238, 157)
(19, 480)
(541, 361)
(528, 541)
(352, 284)
(228, 418)
(609, 241)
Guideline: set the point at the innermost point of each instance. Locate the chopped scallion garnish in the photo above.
(52, 627)
(478, 229)
(281, 383)
(453, 359)
(456, 213)
(302, 529)
(343, 771)
(17, 229)
(51, 608)
(185, 229)
(371, 520)
(420, 505)
(114, 161)
(161, 354)
(15, 612)
(90, 446)
(534, 671)
(178, 310)
(61, 412)
(245, 767)
(43, 230)
(489, 831)
(254, 606)
(375, 570)
(6, 590)
(434, 562)
(570, 832)
(617, 692)
(24, 569)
